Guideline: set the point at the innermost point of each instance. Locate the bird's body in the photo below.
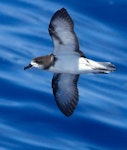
(67, 62)
(72, 63)
(78, 65)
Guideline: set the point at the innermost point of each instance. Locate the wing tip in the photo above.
(63, 14)
(62, 9)
(68, 108)
(68, 112)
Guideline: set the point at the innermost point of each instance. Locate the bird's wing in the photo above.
(65, 92)
(61, 29)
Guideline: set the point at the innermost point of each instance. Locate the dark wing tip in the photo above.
(62, 9)
(68, 109)
(69, 106)
(63, 14)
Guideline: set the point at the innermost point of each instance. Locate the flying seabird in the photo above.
(67, 62)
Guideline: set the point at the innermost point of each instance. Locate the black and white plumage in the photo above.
(67, 62)
(61, 29)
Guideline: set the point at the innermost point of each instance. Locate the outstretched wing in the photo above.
(61, 29)
(65, 92)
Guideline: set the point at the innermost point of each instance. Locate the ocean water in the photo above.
(29, 117)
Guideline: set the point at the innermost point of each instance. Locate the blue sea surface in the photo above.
(29, 117)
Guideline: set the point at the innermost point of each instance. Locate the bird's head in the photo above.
(42, 62)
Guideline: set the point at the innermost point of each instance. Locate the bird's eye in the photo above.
(36, 61)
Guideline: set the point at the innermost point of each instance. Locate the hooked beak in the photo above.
(27, 67)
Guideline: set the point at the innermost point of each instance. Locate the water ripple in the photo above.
(29, 115)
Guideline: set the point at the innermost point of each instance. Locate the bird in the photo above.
(67, 62)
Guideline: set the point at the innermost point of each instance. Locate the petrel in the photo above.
(67, 62)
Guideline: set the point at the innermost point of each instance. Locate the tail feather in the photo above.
(101, 67)
(105, 67)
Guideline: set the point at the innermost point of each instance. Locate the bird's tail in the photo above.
(107, 67)
(102, 67)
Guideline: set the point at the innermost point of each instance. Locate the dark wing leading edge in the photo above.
(61, 29)
(65, 92)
